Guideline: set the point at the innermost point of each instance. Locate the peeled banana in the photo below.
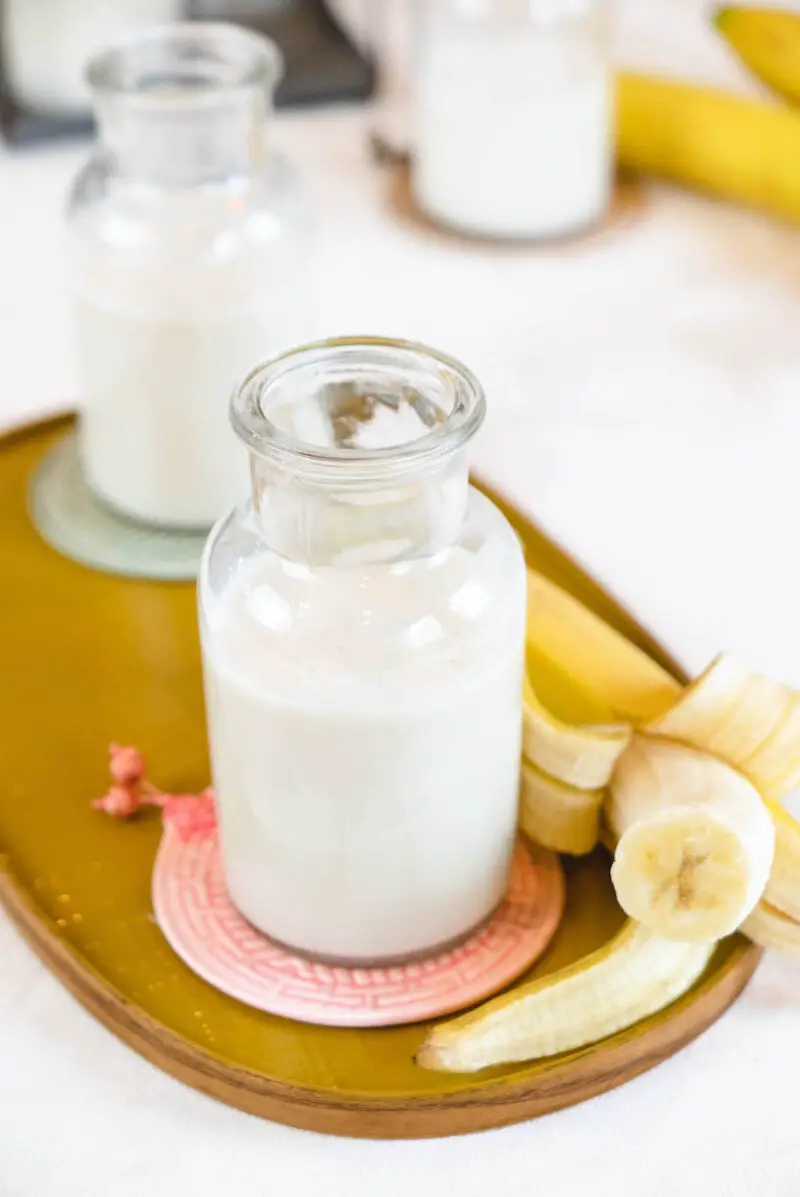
(629, 978)
(581, 756)
(558, 816)
(753, 724)
(744, 718)
(695, 841)
(735, 148)
(768, 43)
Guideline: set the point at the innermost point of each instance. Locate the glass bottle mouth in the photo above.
(191, 58)
(350, 410)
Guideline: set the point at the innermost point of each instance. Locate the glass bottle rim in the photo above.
(353, 464)
(207, 58)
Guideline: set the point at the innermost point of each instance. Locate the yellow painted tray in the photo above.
(88, 658)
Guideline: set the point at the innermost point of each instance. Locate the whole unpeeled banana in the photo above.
(737, 149)
(767, 40)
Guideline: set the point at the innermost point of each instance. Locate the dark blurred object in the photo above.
(322, 64)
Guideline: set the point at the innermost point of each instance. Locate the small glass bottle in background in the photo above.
(513, 116)
(190, 264)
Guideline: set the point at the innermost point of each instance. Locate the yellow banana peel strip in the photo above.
(584, 671)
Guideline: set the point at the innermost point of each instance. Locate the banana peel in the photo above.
(582, 756)
(767, 42)
(583, 670)
(559, 816)
(741, 718)
(770, 928)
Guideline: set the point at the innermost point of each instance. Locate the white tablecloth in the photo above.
(645, 409)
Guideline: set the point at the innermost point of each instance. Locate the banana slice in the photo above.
(584, 670)
(768, 927)
(629, 978)
(696, 842)
(558, 816)
(744, 718)
(579, 756)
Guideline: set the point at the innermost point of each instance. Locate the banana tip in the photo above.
(719, 16)
(429, 1057)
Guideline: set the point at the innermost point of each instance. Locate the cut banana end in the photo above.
(772, 929)
(579, 756)
(632, 977)
(607, 678)
(744, 718)
(696, 842)
(558, 816)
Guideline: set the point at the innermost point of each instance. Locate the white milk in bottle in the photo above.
(190, 265)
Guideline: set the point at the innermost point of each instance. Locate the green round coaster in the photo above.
(68, 515)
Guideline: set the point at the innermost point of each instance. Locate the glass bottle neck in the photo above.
(385, 522)
(183, 141)
(185, 104)
(358, 449)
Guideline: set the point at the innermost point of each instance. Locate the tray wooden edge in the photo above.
(481, 1106)
(495, 1103)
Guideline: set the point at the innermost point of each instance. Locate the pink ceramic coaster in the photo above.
(208, 933)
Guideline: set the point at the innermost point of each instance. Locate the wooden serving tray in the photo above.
(88, 658)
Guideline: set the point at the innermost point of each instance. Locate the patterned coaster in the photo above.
(201, 924)
(69, 516)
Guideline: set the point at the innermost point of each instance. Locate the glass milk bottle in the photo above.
(512, 116)
(363, 626)
(189, 245)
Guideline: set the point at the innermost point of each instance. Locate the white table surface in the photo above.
(646, 410)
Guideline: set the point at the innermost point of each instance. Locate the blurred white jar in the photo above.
(513, 116)
(190, 243)
(47, 44)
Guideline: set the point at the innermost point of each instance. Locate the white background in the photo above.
(645, 395)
